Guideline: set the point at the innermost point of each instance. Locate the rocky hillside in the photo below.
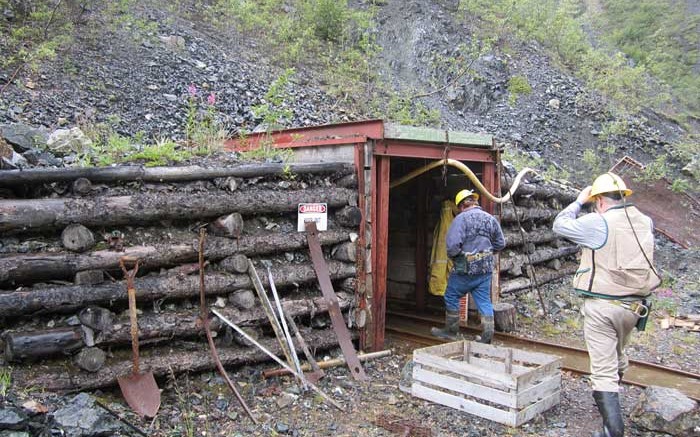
(146, 79)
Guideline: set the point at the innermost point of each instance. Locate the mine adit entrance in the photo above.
(395, 235)
(420, 211)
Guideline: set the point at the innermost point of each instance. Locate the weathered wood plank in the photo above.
(539, 391)
(497, 379)
(463, 387)
(537, 408)
(67, 298)
(31, 268)
(519, 355)
(465, 405)
(538, 374)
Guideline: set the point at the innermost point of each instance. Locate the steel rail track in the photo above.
(416, 328)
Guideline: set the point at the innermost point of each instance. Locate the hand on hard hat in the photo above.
(609, 183)
(585, 195)
(464, 194)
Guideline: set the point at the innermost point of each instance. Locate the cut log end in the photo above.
(504, 317)
(90, 359)
(77, 238)
(81, 186)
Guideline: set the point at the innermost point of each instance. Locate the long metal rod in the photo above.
(269, 311)
(282, 320)
(330, 363)
(274, 357)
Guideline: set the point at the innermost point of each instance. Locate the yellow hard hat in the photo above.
(609, 183)
(464, 194)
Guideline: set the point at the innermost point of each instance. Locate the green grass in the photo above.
(517, 86)
(5, 381)
(550, 330)
(664, 305)
(573, 323)
(267, 152)
(163, 152)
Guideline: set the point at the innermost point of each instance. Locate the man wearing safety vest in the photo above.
(615, 276)
(471, 240)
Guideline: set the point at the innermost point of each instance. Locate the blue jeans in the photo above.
(478, 285)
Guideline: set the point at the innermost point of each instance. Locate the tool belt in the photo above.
(471, 257)
(460, 263)
(641, 308)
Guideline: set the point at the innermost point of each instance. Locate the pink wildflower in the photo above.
(664, 292)
(211, 99)
(192, 89)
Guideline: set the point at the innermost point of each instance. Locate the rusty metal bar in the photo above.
(339, 326)
(421, 246)
(404, 427)
(380, 249)
(432, 151)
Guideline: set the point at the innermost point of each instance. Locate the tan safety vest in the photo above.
(618, 268)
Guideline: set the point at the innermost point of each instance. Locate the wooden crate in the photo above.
(505, 385)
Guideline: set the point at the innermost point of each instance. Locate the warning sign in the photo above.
(312, 212)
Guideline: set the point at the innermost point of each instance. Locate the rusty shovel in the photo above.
(139, 389)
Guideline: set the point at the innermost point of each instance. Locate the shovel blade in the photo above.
(141, 393)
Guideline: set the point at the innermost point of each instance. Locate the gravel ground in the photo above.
(201, 405)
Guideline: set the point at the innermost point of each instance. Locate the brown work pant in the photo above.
(606, 328)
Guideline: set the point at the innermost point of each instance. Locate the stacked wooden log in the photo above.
(63, 295)
(534, 254)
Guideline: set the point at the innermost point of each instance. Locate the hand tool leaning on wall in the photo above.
(139, 389)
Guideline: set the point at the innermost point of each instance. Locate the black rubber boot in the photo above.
(451, 329)
(487, 332)
(608, 403)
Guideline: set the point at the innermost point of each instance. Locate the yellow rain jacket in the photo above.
(440, 263)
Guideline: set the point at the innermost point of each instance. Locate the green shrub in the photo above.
(327, 17)
(203, 131)
(276, 111)
(113, 150)
(409, 112)
(5, 381)
(655, 170)
(517, 86)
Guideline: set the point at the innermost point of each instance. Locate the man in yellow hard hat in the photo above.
(471, 240)
(615, 276)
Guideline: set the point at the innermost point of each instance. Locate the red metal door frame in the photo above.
(380, 247)
(380, 173)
